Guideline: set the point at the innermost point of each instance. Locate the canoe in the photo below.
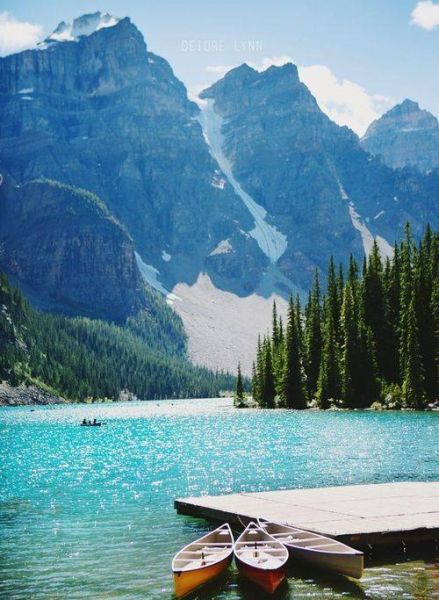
(320, 551)
(201, 561)
(261, 558)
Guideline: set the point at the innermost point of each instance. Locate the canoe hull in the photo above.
(268, 579)
(186, 582)
(350, 565)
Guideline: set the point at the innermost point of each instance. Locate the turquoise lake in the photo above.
(88, 512)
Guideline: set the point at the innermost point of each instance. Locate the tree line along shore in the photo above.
(46, 358)
(371, 339)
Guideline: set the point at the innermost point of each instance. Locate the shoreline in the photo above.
(23, 395)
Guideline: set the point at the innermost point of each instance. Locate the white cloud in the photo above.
(426, 15)
(345, 102)
(219, 70)
(17, 35)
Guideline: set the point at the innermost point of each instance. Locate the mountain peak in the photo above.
(82, 26)
(249, 85)
(405, 107)
(405, 135)
(404, 117)
(286, 69)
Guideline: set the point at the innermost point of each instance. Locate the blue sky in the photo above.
(359, 57)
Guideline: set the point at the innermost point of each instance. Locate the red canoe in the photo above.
(261, 558)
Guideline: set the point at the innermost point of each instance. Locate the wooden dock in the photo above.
(363, 515)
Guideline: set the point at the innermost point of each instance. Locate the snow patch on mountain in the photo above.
(271, 241)
(85, 25)
(151, 276)
(224, 247)
(218, 181)
(359, 224)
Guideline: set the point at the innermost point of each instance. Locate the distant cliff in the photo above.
(317, 184)
(405, 136)
(66, 248)
(100, 112)
(249, 191)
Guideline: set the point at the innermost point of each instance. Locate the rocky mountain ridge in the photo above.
(310, 175)
(66, 248)
(404, 136)
(104, 114)
(245, 194)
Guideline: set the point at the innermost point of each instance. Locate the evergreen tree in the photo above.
(239, 395)
(268, 391)
(329, 376)
(392, 291)
(275, 327)
(313, 338)
(375, 313)
(370, 333)
(258, 376)
(350, 351)
(277, 349)
(299, 326)
(414, 382)
(255, 384)
(435, 315)
(293, 395)
(333, 298)
(406, 292)
(422, 290)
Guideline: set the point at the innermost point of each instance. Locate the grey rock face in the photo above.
(312, 176)
(26, 395)
(405, 136)
(104, 114)
(66, 248)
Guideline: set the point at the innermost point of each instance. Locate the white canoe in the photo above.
(261, 558)
(203, 560)
(320, 551)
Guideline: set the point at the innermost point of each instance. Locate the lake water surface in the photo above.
(88, 512)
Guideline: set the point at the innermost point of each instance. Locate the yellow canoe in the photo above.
(201, 561)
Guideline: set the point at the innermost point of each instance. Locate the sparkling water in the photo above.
(87, 512)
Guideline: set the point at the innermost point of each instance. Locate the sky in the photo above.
(358, 57)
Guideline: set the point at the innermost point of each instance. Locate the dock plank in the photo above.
(370, 514)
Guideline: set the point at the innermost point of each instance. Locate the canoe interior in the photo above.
(306, 539)
(321, 551)
(215, 547)
(255, 547)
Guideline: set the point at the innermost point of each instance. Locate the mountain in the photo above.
(321, 191)
(405, 136)
(93, 108)
(77, 358)
(68, 251)
(228, 204)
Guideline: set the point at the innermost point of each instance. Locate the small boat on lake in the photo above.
(261, 558)
(201, 561)
(318, 550)
(93, 423)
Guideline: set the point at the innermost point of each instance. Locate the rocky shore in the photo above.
(26, 395)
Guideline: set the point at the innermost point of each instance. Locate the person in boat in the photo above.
(94, 422)
(84, 422)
